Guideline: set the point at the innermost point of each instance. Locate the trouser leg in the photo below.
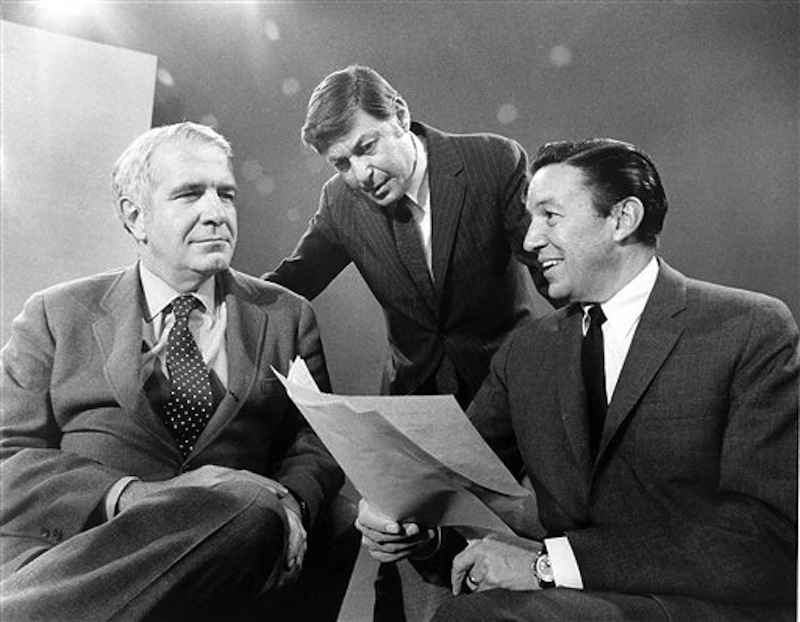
(555, 605)
(186, 553)
(388, 595)
(332, 550)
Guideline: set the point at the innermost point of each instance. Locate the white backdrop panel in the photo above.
(69, 108)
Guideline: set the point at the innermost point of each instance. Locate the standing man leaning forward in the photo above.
(450, 299)
(433, 222)
(152, 465)
(674, 497)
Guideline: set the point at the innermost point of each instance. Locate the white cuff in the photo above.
(114, 493)
(563, 562)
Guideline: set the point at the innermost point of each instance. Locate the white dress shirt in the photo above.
(419, 192)
(623, 312)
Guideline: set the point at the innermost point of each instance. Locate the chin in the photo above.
(216, 264)
(557, 293)
(387, 200)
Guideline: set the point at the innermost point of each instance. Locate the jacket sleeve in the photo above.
(44, 490)
(316, 260)
(306, 466)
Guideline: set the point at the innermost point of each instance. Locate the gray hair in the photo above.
(133, 175)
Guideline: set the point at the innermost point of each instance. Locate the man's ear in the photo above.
(133, 216)
(402, 113)
(629, 214)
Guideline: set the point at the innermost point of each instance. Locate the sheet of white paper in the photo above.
(415, 458)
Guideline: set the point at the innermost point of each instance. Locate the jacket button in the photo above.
(58, 535)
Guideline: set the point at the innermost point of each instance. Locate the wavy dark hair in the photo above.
(336, 99)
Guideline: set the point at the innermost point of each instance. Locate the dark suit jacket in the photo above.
(477, 184)
(75, 416)
(694, 490)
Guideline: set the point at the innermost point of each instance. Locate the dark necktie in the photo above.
(594, 375)
(408, 240)
(190, 401)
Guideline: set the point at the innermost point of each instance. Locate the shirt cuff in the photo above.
(114, 493)
(563, 562)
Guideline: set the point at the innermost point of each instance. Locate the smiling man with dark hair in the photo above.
(655, 415)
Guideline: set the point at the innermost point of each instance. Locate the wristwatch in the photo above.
(305, 514)
(542, 570)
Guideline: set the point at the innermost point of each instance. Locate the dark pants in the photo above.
(183, 554)
(564, 605)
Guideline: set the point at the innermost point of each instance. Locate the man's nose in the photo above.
(362, 171)
(213, 207)
(534, 240)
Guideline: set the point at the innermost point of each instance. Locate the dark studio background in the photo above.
(708, 89)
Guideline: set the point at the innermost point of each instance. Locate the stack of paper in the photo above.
(414, 458)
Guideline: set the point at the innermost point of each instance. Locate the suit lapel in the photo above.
(571, 393)
(118, 333)
(656, 336)
(447, 203)
(244, 337)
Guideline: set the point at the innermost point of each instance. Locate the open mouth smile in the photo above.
(547, 264)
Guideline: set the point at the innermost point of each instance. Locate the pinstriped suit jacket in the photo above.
(478, 184)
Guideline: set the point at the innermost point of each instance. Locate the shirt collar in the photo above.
(627, 305)
(158, 294)
(418, 189)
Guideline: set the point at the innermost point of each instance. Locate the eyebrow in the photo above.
(195, 186)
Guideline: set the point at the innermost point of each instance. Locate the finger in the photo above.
(462, 564)
(410, 529)
(371, 518)
(379, 535)
(390, 548)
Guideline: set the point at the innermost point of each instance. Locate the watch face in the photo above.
(543, 569)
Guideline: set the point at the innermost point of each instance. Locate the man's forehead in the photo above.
(557, 185)
(557, 178)
(182, 162)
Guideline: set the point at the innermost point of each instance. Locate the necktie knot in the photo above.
(596, 316)
(404, 209)
(182, 306)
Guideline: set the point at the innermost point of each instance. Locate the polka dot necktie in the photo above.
(190, 400)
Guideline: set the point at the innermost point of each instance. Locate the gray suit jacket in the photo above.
(693, 494)
(478, 184)
(75, 417)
